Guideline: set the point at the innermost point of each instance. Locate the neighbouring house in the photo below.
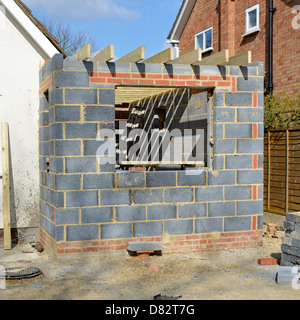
(25, 45)
(239, 26)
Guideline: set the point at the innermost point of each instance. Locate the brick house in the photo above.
(239, 26)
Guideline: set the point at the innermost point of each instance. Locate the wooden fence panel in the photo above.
(282, 171)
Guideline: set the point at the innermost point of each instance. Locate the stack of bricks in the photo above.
(291, 242)
(87, 206)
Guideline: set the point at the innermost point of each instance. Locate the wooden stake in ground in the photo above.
(5, 183)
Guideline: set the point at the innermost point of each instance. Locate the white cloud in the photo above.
(79, 10)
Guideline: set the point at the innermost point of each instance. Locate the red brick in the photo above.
(267, 261)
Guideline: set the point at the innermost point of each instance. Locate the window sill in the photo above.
(251, 32)
(208, 50)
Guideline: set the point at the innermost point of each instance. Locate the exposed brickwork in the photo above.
(228, 19)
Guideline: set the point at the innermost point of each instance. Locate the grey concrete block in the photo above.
(71, 79)
(218, 99)
(238, 193)
(191, 178)
(59, 233)
(86, 96)
(260, 222)
(67, 216)
(146, 67)
(191, 210)
(219, 163)
(67, 148)
(107, 96)
(99, 113)
(179, 195)
(289, 225)
(148, 229)
(81, 131)
(98, 181)
(148, 196)
(250, 115)
(67, 182)
(177, 227)
(47, 226)
(91, 147)
(221, 209)
(218, 131)
(56, 165)
(224, 146)
(250, 145)
(44, 119)
(97, 215)
(116, 231)
(208, 225)
(238, 99)
(293, 217)
(130, 179)
(287, 275)
(213, 70)
(44, 148)
(57, 199)
(221, 177)
(224, 115)
(161, 212)
(56, 97)
(250, 176)
(115, 197)
(243, 71)
(250, 84)
(261, 100)
(237, 224)
(56, 131)
(44, 103)
(250, 208)
(134, 246)
(114, 67)
(80, 165)
(237, 130)
(160, 179)
(109, 166)
(131, 213)
(81, 198)
(209, 194)
(82, 233)
(239, 162)
(67, 113)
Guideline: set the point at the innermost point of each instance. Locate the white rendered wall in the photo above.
(20, 60)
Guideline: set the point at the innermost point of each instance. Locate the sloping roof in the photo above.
(182, 18)
(40, 26)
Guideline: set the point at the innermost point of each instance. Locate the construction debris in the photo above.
(291, 242)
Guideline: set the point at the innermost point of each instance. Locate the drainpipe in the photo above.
(271, 11)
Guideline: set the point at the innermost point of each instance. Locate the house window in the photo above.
(252, 19)
(204, 40)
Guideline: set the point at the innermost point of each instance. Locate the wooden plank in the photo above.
(84, 53)
(162, 57)
(5, 184)
(241, 59)
(105, 55)
(134, 56)
(219, 58)
(192, 57)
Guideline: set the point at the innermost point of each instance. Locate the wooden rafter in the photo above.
(192, 57)
(106, 54)
(162, 57)
(241, 59)
(134, 56)
(219, 58)
(84, 53)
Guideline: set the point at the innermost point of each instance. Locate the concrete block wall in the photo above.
(88, 207)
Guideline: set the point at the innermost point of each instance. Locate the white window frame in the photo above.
(256, 28)
(204, 39)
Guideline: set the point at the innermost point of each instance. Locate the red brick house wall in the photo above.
(228, 19)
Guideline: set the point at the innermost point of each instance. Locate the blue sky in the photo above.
(127, 24)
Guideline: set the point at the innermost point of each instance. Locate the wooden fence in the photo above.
(282, 171)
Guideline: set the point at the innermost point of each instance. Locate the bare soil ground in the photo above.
(224, 275)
